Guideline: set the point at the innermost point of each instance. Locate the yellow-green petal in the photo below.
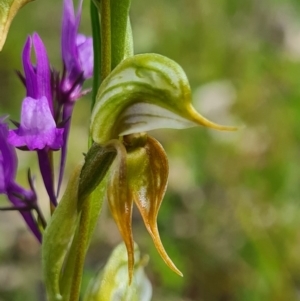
(144, 92)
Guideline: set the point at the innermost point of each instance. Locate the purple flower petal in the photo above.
(68, 38)
(37, 79)
(77, 52)
(86, 56)
(43, 73)
(8, 169)
(8, 159)
(37, 129)
(30, 76)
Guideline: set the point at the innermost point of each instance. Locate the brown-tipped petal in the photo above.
(121, 204)
(147, 177)
(153, 231)
(200, 120)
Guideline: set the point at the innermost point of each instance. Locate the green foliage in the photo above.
(8, 9)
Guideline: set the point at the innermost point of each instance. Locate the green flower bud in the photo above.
(112, 283)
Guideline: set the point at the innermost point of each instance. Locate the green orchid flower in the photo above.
(143, 93)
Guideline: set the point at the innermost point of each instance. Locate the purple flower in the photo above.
(37, 128)
(77, 54)
(21, 199)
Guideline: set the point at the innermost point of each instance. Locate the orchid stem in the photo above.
(105, 38)
(83, 231)
(105, 68)
(97, 50)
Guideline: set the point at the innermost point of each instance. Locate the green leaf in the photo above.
(144, 92)
(111, 283)
(58, 237)
(8, 10)
(62, 238)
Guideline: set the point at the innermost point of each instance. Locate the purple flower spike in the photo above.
(37, 128)
(78, 60)
(21, 199)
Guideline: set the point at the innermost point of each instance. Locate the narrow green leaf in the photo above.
(8, 10)
(95, 201)
(58, 237)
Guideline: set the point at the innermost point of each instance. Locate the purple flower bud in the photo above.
(77, 53)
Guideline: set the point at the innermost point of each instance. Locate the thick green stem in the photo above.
(83, 238)
(120, 32)
(105, 39)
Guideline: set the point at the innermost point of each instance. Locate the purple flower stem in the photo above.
(28, 217)
(67, 114)
(20, 208)
(46, 169)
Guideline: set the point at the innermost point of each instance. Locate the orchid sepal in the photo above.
(145, 92)
(120, 202)
(148, 171)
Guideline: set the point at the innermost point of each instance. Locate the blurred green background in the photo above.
(231, 216)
